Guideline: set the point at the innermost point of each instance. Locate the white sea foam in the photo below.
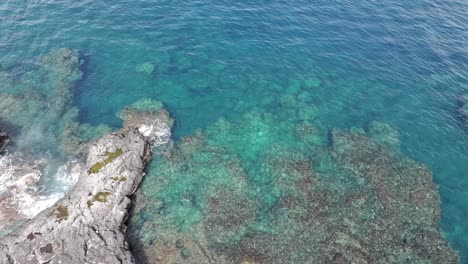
(23, 194)
(158, 133)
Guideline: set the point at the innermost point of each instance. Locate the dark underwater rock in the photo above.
(87, 225)
(3, 140)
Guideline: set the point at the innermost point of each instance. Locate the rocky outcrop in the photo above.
(87, 225)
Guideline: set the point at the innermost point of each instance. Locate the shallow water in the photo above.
(400, 62)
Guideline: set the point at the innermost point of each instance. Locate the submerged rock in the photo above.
(87, 225)
(146, 68)
(3, 140)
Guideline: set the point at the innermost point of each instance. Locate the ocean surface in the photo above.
(404, 63)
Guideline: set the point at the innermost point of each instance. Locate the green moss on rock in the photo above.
(110, 157)
(120, 179)
(96, 167)
(101, 197)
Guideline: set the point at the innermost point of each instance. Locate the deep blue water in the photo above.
(401, 62)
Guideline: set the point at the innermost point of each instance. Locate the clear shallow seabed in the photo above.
(348, 63)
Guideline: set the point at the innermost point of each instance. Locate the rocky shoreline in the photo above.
(87, 225)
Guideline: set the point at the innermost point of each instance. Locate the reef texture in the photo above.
(37, 105)
(295, 197)
(87, 225)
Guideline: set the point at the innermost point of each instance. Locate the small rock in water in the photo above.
(146, 68)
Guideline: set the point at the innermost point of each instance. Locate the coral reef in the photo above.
(39, 103)
(297, 196)
(63, 67)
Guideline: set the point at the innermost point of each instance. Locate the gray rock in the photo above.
(87, 225)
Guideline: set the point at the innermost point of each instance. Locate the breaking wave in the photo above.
(24, 190)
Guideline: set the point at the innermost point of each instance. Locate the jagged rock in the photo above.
(87, 225)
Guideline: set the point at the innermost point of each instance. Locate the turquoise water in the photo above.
(404, 63)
